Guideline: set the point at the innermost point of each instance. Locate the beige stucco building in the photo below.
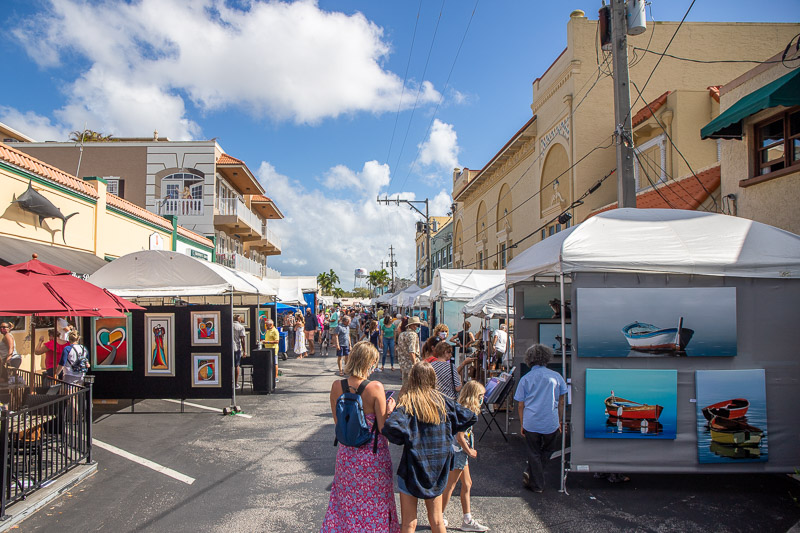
(206, 189)
(759, 132)
(549, 165)
(440, 254)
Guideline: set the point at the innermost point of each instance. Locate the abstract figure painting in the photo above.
(631, 404)
(205, 370)
(261, 320)
(656, 322)
(731, 416)
(159, 345)
(205, 328)
(110, 342)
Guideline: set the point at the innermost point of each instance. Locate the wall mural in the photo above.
(111, 345)
(656, 322)
(731, 416)
(631, 404)
(159, 351)
(33, 202)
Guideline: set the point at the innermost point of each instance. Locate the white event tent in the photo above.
(489, 303)
(669, 250)
(452, 288)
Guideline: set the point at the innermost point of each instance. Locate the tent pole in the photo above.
(233, 356)
(564, 374)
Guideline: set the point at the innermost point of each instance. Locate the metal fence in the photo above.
(46, 430)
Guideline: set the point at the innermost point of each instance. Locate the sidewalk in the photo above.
(273, 472)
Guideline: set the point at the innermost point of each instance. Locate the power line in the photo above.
(419, 89)
(441, 98)
(661, 56)
(405, 78)
(672, 143)
(647, 175)
(712, 61)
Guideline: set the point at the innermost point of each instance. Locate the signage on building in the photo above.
(198, 254)
(156, 241)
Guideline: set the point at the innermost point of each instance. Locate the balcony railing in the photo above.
(270, 236)
(234, 206)
(240, 262)
(181, 206)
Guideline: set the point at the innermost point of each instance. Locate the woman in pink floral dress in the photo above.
(362, 495)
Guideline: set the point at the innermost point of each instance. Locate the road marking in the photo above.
(207, 408)
(183, 478)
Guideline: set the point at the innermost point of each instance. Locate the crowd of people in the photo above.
(431, 416)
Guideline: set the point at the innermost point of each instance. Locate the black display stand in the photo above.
(134, 384)
(486, 408)
(263, 362)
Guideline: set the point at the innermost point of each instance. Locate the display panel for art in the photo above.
(205, 370)
(244, 312)
(262, 315)
(542, 302)
(731, 416)
(631, 404)
(159, 350)
(205, 328)
(550, 336)
(111, 344)
(656, 322)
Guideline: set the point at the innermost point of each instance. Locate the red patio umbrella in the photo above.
(79, 297)
(21, 295)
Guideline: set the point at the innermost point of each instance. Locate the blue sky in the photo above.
(306, 93)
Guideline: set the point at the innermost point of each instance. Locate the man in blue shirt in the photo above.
(540, 396)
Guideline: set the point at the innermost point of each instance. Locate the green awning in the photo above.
(784, 91)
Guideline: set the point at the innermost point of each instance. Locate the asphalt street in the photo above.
(273, 471)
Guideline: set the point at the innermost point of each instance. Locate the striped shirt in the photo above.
(447, 379)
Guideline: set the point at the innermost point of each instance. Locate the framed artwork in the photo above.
(731, 416)
(247, 345)
(656, 322)
(159, 344)
(205, 370)
(550, 336)
(542, 302)
(262, 315)
(245, 313)
(631, 404)
(110, 343)
(205, 328)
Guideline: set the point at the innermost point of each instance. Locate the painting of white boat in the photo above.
(650, 338)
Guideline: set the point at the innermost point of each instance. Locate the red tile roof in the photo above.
(139, 212)
(260, 198)
(225, 159)
(684, 193)
(189, 234)
(647, 111)
(40, 168)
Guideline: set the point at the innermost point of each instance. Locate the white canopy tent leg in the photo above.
(564, 374)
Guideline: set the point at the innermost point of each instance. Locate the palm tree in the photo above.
(324, 282)
(379, 278)
(334, 279)
(337, 292)
(89, 136)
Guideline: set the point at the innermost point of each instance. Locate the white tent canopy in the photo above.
(422, 298)
(489, 303)
(463, 284)
(400, 299)
(667, 241)
(384, 298)
(290, 290)
(158, 273)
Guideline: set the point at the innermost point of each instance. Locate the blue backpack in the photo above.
(352, 428)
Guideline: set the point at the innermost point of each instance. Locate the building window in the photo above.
(116, 186)
(450, 255)
(480, 260)
(777, 143)
(650, 166)
(503, 255)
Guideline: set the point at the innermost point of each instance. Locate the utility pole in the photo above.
(626, 186)
(411, 203)
(392, 263)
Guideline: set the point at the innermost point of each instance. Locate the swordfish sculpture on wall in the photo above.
(32, 201)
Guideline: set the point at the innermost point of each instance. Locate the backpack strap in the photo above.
(345, 385)
(362, 386)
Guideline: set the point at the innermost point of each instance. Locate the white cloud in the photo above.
(441, 148)
(369, 181)
(285, 61)
(322, 231)
(34, 126)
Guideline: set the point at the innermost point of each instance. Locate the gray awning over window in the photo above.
(13, 251)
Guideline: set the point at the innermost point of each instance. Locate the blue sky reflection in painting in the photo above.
(652, 387)
(710, 312)
(715, 386)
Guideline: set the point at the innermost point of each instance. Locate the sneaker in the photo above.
(238, 387)
(473, 525)
(444, 521)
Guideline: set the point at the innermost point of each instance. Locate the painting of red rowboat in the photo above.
(631, 404)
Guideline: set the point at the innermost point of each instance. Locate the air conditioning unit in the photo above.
(420, 227)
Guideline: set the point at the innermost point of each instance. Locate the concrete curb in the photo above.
(43, 497)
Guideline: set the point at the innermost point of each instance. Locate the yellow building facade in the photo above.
(568, 146)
